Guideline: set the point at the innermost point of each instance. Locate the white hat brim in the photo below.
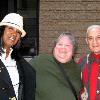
(15, 26)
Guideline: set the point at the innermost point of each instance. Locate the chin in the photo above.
(97, 52)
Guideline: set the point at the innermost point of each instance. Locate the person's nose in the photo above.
(94, 40)
(13, 33)
(63, 47)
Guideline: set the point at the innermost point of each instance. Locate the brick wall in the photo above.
(73, 16)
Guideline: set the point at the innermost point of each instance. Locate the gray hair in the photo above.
(70, 36)
(92, 27)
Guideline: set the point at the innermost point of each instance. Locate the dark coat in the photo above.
(27, 85)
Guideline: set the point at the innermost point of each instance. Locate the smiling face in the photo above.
(93, 40)
(10, 37)
(63, 50)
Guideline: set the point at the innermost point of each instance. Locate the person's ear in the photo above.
(86, 40)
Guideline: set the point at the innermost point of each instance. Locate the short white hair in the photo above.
(92, 27)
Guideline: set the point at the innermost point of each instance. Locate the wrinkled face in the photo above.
(11, 36)
(63, 50)
(93, 40)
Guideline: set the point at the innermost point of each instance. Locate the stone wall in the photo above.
(73, 16)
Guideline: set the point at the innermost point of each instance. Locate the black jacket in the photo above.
(27, 78)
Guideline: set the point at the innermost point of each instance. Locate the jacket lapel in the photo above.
(5, 81)
(4, 75)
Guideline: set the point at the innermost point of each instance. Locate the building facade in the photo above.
(73, 16)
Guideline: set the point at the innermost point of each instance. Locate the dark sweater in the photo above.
(50, 83)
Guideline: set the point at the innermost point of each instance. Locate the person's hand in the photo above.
(84, 95)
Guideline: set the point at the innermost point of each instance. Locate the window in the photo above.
(30, 11)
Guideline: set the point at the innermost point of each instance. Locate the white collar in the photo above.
(7, 61)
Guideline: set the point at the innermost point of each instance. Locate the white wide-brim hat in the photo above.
(14, 20)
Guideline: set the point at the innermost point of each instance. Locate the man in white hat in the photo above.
(17, 77)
